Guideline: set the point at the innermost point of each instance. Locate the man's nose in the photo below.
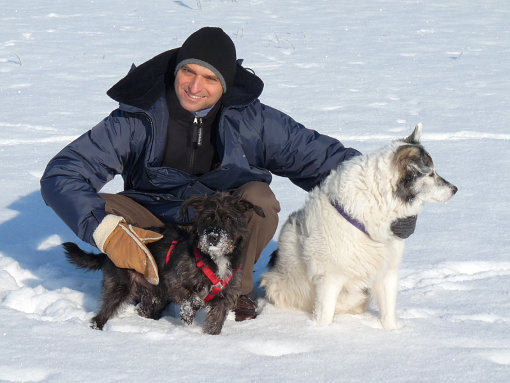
(195, 85)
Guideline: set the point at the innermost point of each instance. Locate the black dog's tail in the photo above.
(83, 259)
(272, 260)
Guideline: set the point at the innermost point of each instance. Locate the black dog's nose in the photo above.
(213, 238)
(454, 189)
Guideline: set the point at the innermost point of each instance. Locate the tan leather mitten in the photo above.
(124, 244)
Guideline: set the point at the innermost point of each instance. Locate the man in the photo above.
(189, 122)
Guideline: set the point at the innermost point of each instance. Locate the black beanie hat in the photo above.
(210, 47)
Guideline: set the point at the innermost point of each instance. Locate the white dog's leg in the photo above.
(386, 294)
(327, 288)
(353, 302)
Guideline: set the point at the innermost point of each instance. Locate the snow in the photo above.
(364, 72)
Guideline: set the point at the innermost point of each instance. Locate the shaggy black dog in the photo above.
(198, 267)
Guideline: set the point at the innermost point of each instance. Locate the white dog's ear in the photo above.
(419, 168)
(412, 160)
(415, 137)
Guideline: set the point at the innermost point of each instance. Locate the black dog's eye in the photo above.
(209, 218)
(229, 220)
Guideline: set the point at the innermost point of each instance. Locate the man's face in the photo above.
(197, 87)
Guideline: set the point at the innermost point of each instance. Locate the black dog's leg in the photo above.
(109, 309)
(216, 316)
(115, 293)
(221, 305)
(189, 301)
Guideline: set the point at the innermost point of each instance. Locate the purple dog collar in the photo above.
(351, 220)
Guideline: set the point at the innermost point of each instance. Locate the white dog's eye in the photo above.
(432, 173)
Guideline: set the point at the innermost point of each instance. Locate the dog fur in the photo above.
(218, 231)
(326, 265)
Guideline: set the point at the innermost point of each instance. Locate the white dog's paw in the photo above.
(322, 322)
(391, 324)
(321, 319)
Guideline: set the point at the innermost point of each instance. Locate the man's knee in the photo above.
(260, 194)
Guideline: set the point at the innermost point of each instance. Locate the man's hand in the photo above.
(125, 246)
(404, 227)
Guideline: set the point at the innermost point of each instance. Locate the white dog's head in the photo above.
(418, 179)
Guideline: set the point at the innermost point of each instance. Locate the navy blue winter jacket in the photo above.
(254, 140)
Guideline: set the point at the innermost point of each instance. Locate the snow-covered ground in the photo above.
(365, 72)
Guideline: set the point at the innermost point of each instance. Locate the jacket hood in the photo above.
(145, 83)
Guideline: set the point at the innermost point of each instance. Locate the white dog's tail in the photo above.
(287, 285)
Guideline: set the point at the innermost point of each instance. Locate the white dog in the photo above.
(339, 249)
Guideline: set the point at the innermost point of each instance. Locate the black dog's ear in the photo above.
(195, 202)
(257, 209)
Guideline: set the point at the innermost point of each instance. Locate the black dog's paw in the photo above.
(215, 319)
(187, 313)
(143, 312)
(189, 309)
(151, 306)
(213, 328)
(96, 324)
(148, 312)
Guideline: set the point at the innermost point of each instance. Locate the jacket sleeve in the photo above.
(300, 154)
(74, 176)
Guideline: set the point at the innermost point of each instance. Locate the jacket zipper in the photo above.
(197, 132)
(197, 137)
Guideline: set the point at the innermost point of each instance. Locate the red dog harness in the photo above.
(172, 247)
(217, 283)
